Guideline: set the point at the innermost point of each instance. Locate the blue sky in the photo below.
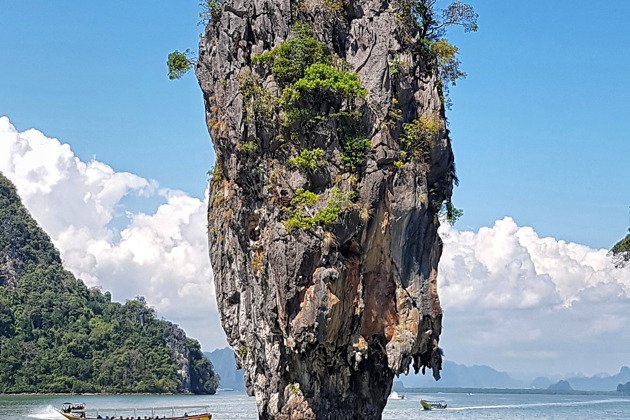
(539, 127)
(539, 130)
(94, 74)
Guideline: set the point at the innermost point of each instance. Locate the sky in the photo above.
(111, 158)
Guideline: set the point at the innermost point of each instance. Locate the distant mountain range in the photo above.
(225, 366)
(459, 376)
(453, 374)
(600, 382)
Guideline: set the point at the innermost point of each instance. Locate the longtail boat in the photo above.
(433, 405)
(78, 411)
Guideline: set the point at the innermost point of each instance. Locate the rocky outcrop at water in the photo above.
(332, 164)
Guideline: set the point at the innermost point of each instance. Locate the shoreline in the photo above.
(432, 390)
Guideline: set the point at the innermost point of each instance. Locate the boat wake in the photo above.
(532, 405)
(49, 413)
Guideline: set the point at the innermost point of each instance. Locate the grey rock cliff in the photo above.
(175, 339)
(322, 319)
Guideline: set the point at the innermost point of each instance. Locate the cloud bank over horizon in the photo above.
(522, 303)
(511, 299)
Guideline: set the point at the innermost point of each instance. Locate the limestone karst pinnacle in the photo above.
(332, 163)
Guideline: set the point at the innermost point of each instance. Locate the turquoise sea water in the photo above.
(230, 405)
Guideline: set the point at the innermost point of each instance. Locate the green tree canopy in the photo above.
(179, 63)
(433, 21)
(210, 10)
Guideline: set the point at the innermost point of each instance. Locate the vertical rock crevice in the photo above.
(323, 313)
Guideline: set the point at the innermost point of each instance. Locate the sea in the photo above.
(229, 405)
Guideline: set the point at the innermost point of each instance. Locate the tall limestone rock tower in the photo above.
(332, 163)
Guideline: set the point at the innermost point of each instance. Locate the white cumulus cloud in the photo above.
(162, 256)
(522, 303)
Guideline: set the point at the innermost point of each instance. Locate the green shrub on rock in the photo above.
(308, 159)
(302, 217)
(179, 63)
(290, 59)
(418, 137)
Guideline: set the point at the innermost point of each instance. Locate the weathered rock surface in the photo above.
(321, 320)
(175, 339)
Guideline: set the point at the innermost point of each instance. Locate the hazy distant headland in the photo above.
(481, 376)
(455, 377)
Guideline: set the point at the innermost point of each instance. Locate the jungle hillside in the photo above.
(59, 336)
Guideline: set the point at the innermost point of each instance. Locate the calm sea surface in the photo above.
(230, 405)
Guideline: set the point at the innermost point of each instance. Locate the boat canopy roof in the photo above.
(189, 408)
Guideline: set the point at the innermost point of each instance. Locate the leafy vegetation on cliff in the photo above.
(179, 63)
(317, 90)
(210, 9)
(432, 23)
(57, 335)
(310, 76)
(621, 251)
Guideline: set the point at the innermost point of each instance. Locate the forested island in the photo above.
(59, 336)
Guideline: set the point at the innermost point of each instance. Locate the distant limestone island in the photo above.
(624, 388)
(602, 382)
(231, 379)
(454, 376)
(459, 376)
(59, 336)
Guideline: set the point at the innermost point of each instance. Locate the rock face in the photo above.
(322, 312)
(175, 339)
